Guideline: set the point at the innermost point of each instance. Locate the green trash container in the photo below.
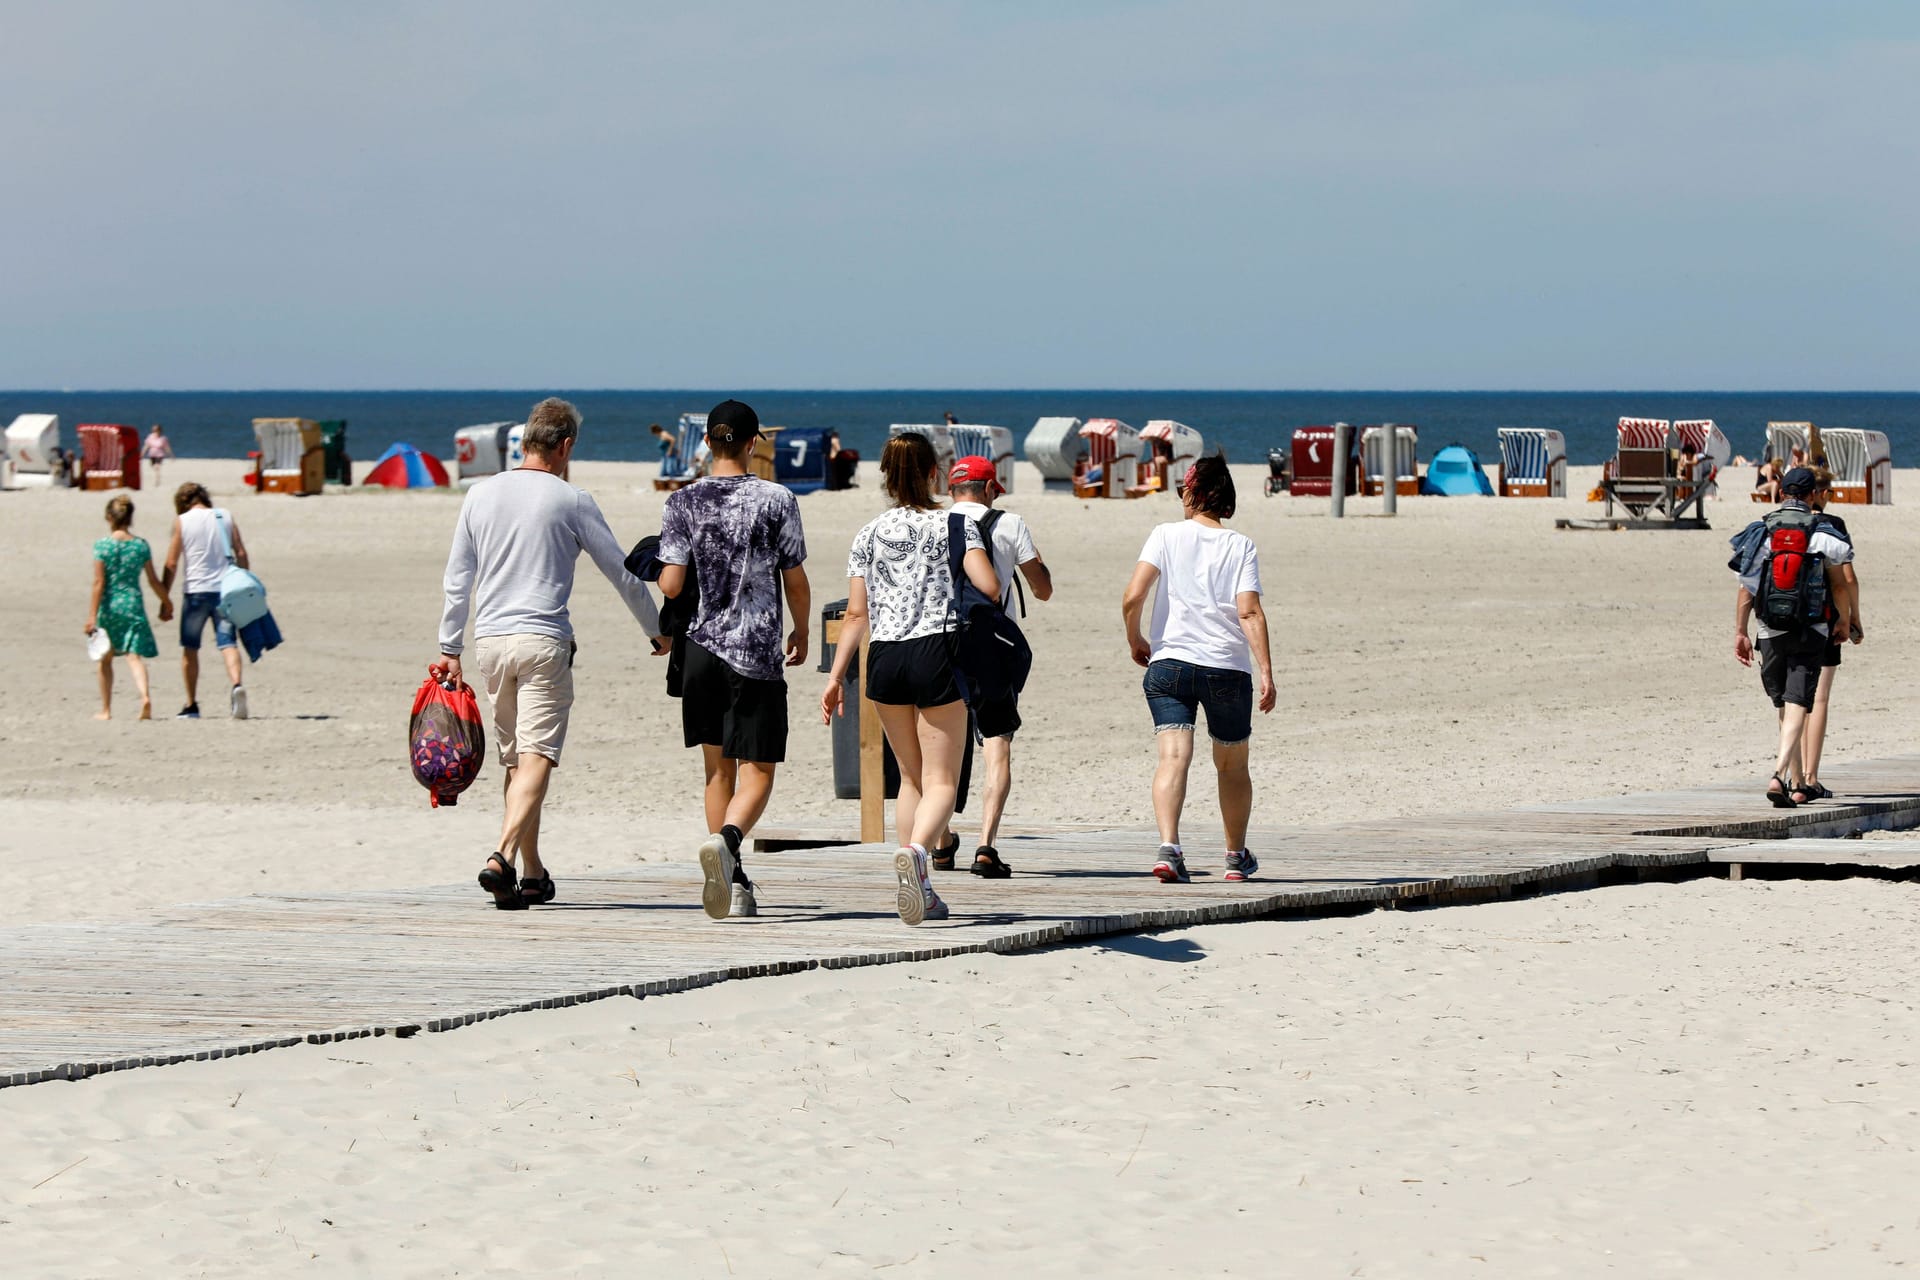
(333, 436)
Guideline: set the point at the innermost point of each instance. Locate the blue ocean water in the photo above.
(1246, 423)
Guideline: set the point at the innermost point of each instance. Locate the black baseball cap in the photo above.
(1799, 482)
(730, 422)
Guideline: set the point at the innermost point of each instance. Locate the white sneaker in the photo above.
(743, 901)
(237, 702)
(916, 899)
(716, 864)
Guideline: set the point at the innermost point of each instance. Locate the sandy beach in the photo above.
(1706, 1078)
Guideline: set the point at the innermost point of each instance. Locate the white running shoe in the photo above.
(743, 901)
(237, 702)
(917, 900)
(716, 863)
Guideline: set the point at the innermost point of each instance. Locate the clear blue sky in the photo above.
(1369, 194)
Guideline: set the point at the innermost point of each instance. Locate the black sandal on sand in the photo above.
(943, 856)
(500, 883)
(987, 864)
(1818, 791)
(1804, 794)
(536, 892)
(1783, 798)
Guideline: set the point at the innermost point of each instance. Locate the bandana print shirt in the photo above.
(739, 533)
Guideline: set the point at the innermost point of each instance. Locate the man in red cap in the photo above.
(974, 484)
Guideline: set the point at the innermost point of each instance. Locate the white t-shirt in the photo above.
(1012, 544)
(902, 555)
(203, 548)
(1203, 570)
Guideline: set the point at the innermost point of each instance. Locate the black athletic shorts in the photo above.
(1789, 676)
(719, 707)
(1830, 656)
(997, 719)
(911, 673)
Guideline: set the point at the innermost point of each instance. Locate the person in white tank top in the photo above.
(199, 547)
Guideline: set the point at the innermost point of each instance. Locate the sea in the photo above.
(1244, 423)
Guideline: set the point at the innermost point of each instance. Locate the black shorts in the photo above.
(1788, 676)
(911, 673)
(997, 719)
(719, 707)
(1830, 657)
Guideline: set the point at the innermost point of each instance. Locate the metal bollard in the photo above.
(1342, 457)
(1390, 472)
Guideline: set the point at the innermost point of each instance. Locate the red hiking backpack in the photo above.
(445, 740)
(1793, 579)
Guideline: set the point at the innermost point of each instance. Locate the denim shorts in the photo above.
(196, 607)
(1176, 690)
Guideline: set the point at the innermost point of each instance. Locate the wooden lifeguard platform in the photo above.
(226, 978)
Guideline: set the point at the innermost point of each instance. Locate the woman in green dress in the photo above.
(118, 607)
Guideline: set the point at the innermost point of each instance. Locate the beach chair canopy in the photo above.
(1406, 451)
(978, 440)
(1643, 433)
(1851, 453)
(481, 450)
(1707, 439)
(31, 440)
(1184, 444)
(284, 442)
(1454, 473)
(1784, 437)
(110, 452)
(1528, 453)
(404, 467)
(1056, 448)
(800, 458)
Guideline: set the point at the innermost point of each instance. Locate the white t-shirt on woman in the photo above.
(1203, 570)
(902, 554)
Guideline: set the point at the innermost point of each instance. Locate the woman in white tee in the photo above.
(899, 584)
(1208, 642)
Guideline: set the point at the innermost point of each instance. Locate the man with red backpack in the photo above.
(1792, 586)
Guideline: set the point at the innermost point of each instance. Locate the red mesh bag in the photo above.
(445, 740)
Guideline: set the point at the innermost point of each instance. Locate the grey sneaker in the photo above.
(237, 702)
(1172, 866)
(716, 864)
(1242, 865)
(916, 899)
(743, 902)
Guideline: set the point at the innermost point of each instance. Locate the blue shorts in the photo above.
(196, 608)
(1176, 691)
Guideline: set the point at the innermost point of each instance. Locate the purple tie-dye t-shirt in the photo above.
(739, 533)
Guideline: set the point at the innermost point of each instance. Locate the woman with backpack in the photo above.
(1209, 638)
(900, 587)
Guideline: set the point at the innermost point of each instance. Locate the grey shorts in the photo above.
(1790, 676)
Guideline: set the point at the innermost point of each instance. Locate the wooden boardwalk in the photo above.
(225, 978)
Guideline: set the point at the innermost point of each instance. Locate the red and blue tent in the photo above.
(404, 467)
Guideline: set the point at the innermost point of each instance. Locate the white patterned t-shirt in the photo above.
(902, 555)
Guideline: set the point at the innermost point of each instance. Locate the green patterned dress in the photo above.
(123, 609)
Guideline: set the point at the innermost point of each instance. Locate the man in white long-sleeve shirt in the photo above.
(511, 568)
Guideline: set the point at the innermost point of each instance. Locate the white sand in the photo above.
(1462, 656)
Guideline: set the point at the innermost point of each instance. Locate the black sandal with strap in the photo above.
(987, 864)
(1783, 798)
(500, 883)
(942, 858)
(536, 891)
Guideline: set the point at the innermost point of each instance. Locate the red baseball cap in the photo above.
(975, 470)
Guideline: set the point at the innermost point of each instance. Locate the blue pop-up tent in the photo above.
(1455, 473)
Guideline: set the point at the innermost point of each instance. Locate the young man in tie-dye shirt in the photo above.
(735, 539)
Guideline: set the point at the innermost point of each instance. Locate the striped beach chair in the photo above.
(1533, 463)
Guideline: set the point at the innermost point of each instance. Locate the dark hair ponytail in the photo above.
(1209, 487)
(906, 464)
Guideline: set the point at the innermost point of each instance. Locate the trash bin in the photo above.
(333, 436)
(846, 729)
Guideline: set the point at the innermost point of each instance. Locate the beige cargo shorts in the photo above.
(529, 681)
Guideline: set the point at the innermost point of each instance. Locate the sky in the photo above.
(1386, 194)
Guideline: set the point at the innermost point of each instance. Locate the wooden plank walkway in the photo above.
(241, 976)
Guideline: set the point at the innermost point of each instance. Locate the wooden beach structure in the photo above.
(1111, 468)
(1533, 463)
(109, 455)
(689, 435)
(218, 979)
(1168, 449)
(293, 456)
(1862, 465)
(979, 440)
(1406, 460)
(480, 451)
(32, 440)
(1057, 449)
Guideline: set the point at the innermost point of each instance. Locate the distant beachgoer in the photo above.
(740, 537)
(669, 447)
(1790, 661)
(1209, 639)
(900, 587)
(973, 484)
(119, 609)
(841, 463)
(511, 567)
(951, 420)
(156, 449)
(1767, 480)
(204, 541)
(1815, 740)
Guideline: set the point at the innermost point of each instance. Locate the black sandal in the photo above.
(1783, 798)
(536, 892)
(500, 883)
(1807, 794)
(987, 864)
(943, 856)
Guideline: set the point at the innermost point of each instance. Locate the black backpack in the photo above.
(986, 524)
(1793, 580)
(991, 659)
